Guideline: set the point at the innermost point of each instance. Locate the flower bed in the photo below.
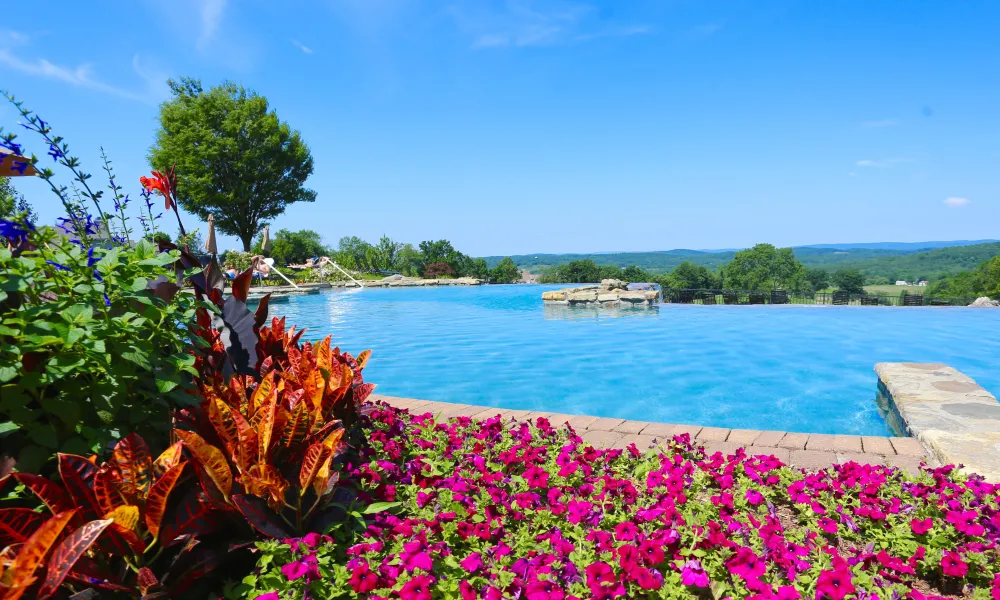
(471, 509)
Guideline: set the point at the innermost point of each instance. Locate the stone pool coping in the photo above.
(953, 416)
(804, 450)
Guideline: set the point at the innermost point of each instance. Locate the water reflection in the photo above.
(562, 312)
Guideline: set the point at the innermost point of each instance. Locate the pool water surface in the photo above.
(792, 368)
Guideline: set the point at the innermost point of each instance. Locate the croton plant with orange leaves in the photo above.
(269, 445)
(131, 525)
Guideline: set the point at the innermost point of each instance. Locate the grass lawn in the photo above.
(896, 290)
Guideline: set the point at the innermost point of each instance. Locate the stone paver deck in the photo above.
(945, 410)
(807, 451)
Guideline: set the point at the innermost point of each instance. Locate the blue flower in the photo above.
(14, 231)
(58, 266)
(55, 152)
(91, 260)
(20, 166)
(10, 145)
(107, 301)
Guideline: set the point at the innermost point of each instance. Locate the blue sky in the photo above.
(558, 126)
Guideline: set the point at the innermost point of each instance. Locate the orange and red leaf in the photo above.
(211, 459)
(17, 525)
(159, 495)
(67, 553)
(132, 459)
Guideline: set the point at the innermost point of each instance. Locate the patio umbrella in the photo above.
(13, 165)
(265, 243)
(210, 245)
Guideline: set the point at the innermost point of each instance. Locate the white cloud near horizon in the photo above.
(305, 49)
(83, 76)
(880, 123)
(956, 202)
(882, 163)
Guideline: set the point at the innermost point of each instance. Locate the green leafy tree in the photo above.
(763, 267)
(505, 271)
(386, 254)
(690, 276)
(576, 271)
(295, 247)
(633, 273)
(849, 280)
(817, 279)
(12, 203)
(235, 159)
(480, 270)
(984, 280)
(352, 253)
(409, 261)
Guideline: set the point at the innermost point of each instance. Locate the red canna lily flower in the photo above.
(159, 183)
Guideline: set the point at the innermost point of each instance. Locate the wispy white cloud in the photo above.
(882, 163)
(522, 23)
(624, 31)
(211, 17)
(956, 202)
(305, 49)
(705, 30)
(83, 76)
(9, 37)
(880, 123)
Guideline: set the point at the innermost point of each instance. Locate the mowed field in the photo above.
(895, 290)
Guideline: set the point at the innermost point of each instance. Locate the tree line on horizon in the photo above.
(765, 267)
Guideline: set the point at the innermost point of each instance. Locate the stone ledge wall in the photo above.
(952, 416)
(609, 293)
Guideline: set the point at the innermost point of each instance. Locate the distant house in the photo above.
(922, 283)
(902, 282)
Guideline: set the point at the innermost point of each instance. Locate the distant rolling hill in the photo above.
(893, 260)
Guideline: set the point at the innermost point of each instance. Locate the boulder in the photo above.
(605, 297)
(985, 302)
(613, 284)
(635, 297)
(585, 296)
(554, 296)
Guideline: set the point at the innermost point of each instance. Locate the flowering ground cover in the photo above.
(486, 509)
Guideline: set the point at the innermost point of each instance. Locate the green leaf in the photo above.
(165, 385)
(7, 373)
(7, 427)
(378, 507)
(139, 284)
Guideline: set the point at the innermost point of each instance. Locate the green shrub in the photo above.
(93, 345)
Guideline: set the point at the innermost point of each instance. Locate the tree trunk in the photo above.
(247, 240)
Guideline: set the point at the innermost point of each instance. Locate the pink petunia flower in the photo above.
(952, 564)
(418, 588)
(920, 526)
(836, 584)
(692, 573)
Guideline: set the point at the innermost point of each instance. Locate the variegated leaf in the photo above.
(210, 458)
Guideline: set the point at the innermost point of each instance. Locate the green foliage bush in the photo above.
(817, 279)
(89, 351)
(849, 280)
(763, 267)
(984, 280)
(505, 272)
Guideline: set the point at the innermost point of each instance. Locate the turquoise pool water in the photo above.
(794, 368)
